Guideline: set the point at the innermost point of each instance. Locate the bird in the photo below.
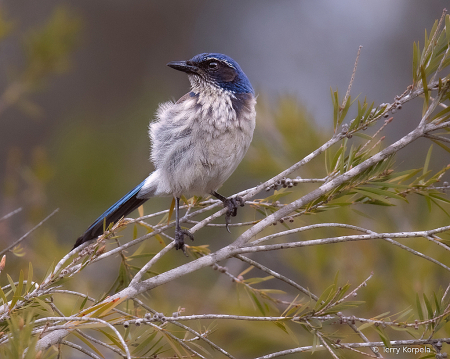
(196, 142)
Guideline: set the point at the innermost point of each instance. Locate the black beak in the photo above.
(184, 66)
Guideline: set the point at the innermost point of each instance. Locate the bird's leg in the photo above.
(231, 204)
(180, 233)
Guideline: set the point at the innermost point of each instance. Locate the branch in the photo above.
(392, 343)
(26, 234)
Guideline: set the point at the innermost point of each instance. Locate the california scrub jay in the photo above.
(197, 142)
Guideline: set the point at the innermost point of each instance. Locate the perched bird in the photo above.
(197, 142)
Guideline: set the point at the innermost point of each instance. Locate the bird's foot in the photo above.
(231, 204)
(179, 238)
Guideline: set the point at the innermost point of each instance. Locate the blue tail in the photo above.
(124, 206)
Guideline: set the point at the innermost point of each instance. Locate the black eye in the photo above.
(213, 65)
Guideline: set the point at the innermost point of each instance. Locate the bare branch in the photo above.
(27, 234)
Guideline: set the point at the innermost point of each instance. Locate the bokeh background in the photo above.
(77, 139)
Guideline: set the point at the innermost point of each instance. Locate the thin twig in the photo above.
(202, 337)
(10, 214)
(347, 94)
(277, 275)
(80, 348)
(393, 343)
(137, 278)
(326, 345)
(26, 234)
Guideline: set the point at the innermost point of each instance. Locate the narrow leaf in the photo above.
(3, 296)
(428, 306)
(148, 339)
(88, 343)
(18, 290)
(441, 144)
(29, 277)
(425, 86)
(172, 206)
(83, 303)
(415, 61)
(258, 304)
(427, 160)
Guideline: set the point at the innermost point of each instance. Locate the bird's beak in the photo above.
(184, 66)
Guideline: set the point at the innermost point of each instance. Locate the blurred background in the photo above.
(74, 119)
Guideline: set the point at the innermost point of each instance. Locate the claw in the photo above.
(179, 239)
(240, 200)
(232, 205)
(227, 222)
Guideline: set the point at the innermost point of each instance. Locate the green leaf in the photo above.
(428, 306)
(343, 112)
(440, 207)
(336, 158)
(390, 185)
(335, 101)
(155, 352)
(447, 27)
(415, 62)
(315, 342)
(173, 344)
(438, 306)
(428, 201)
(351, 155)
(427, 160)
(104, 308)
(365, 325)
(443, 114)
(383, 336)
(343, 306)
(425, 86)
(3, 296)
(50, 270)
(282, 326)
(18, 291)
(142, 255)
(44, 305)
(404, 175)
(336, 278)
(258, 304)
(29, 277)
(362, 135)
(11, 282)
(322, 299)
(83, 303)
(382, 192)
(404, 314)
(172, 207)
(113, 339)
(148, 339)
(373, 197)
(256, 280)
(277, 195)
(88, 343)
(441, 144)
(362, 214)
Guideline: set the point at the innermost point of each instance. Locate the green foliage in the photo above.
(22, 342)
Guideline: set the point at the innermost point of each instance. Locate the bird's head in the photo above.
(213, 69)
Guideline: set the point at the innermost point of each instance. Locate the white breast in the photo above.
(197, 143)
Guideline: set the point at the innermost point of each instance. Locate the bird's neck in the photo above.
(221, 106)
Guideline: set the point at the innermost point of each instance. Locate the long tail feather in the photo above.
(121, 208)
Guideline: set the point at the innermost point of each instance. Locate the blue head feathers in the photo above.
(217, 69)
